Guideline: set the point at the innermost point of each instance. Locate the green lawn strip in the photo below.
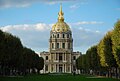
(57, 78)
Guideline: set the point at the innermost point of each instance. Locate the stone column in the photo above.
(44, 69)
(70, 58)
(70, 68)
(66, 45)
(49, 68)
(50, 57)
(60, 44)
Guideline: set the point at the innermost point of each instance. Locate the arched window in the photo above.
(46, 57)
(52, 45)
(68, 45)
(60, 57)
(63, 35)
(57, 35)
(67, 35)
(74, 57)
(46, 68)
(57, 45)
(63, 45)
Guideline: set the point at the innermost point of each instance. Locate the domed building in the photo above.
(60, 58)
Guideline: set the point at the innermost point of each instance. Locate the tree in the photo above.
(1, 44)
(39, 64)
(28, 60)
(16, 59)
(110, 60)
(31, 61)
(93, 59)
(10, 49)
(81, 63)
(100, 50)
(105, 52)
(116, 42)
(78, 63)
(1, 49)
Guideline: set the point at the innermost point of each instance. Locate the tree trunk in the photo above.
(110, 73)
(107, 73)
(116, 74)
(119, 73)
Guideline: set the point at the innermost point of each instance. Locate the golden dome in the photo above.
(60, 26)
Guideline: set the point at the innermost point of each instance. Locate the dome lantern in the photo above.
(60, 15)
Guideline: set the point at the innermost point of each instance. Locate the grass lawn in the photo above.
(57, 78)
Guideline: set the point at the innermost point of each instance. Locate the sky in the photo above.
(32, 20)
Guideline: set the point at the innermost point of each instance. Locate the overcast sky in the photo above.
(32, 20)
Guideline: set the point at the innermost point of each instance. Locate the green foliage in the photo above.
(104, 56)
(1, 45)
(13, 56)
(101, 54)
(116, 42)
(39, 63)
(109, 57)
(81, 62)
(92, 58)
(105, 51)
(89, 61)
(28, 58)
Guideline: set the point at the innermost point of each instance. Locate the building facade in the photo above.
(60, 58)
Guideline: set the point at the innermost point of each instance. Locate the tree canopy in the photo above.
(116, 42)
(105, 55)
(14, 56)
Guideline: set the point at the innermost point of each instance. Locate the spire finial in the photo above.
(60, 7)
(60, 14)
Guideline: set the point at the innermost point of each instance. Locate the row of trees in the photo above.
(104, 57)
(15, 58)
(89, 62)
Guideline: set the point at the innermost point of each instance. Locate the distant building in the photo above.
(60, 58)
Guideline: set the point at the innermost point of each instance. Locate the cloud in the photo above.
(33, 36)
(75, 6)
(87, 22)
(78, 4)
(27, 27)
(25, 3)
(14, 3)
(118, 9)
(36, 36)
(85, 38)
